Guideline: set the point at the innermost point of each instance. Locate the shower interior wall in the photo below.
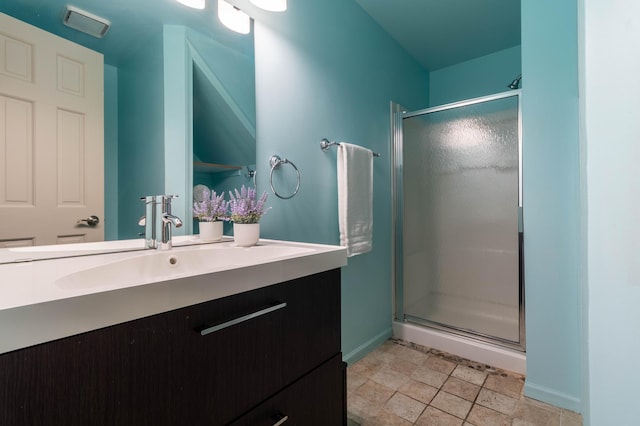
(474, 78)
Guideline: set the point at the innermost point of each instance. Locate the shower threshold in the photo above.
(471, 348)
(469, 334)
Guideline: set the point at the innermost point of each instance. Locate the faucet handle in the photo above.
(168, 198)
(166, 202)
(148, 199)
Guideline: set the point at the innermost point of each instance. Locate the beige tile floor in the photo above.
(404, 384)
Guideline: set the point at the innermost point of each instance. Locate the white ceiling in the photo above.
(440, 33)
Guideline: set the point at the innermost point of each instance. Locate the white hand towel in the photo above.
(355, 198)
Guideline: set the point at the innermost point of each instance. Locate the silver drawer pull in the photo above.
(281, 421)
(242, 319)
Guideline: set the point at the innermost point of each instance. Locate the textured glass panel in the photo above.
(460, 248)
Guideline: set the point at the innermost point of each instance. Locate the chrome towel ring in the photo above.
(275, 162)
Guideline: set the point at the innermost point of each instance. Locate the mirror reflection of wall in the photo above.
(138, 139)
(223, 120)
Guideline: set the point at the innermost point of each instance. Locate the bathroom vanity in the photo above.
(260, 345)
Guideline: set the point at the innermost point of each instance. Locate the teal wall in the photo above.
(551, 179)
(140, 134)
(325, 69)
(477, 77)
(609, 41)
(110, 152)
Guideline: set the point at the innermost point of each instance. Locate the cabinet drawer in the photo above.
(316, 399)
(241, 365)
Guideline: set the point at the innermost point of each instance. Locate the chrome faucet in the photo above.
(167, 219)
(154, 227)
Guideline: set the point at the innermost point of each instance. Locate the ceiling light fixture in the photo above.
(195, 4)
(271, 5)
(233, 18)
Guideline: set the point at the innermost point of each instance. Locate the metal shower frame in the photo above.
(398, 114)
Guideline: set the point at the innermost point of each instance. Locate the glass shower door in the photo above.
(460, 255)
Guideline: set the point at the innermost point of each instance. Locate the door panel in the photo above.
(51, 137)
(461, 196)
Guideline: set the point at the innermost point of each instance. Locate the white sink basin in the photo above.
(153, 266)
(50, 299)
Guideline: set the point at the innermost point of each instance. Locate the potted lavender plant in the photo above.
(211, 211)
(246, 212)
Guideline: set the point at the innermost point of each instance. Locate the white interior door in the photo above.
(51, 138)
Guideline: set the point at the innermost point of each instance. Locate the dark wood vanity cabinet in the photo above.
(279, 356)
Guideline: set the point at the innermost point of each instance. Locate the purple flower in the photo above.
(211, 208)
(244, 207)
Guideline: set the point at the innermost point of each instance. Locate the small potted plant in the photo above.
(246, 211)
(211, 211)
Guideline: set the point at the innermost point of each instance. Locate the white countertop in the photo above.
(46, 300)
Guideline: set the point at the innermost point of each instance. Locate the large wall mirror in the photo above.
(179, 110)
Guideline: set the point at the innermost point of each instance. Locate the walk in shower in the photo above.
(458, 210)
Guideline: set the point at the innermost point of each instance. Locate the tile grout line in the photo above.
(482, 386)
(474, 399)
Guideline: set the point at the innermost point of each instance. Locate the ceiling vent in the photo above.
(86, 22)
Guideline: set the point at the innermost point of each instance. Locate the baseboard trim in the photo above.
(362, 350)
(553, 397)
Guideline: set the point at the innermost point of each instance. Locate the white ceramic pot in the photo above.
(210, 231)
(246, 234)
